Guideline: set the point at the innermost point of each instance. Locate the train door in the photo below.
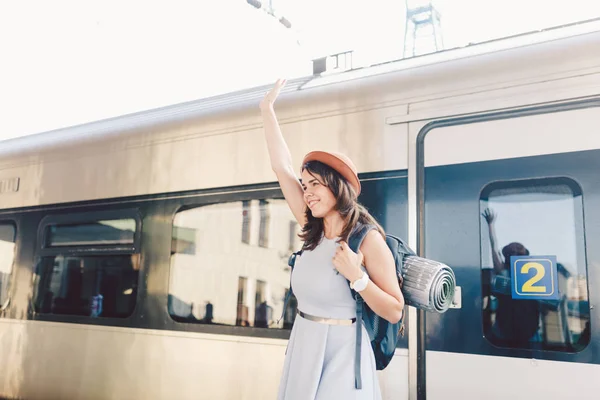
(511, 201)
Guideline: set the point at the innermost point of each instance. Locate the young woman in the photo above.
(319, 361)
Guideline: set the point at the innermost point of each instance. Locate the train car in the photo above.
(145, 256)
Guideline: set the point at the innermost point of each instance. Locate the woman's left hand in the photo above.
(348, 262)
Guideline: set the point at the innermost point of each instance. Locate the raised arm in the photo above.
(281, 159)
(490, 217)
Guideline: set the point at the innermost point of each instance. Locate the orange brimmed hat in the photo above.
(340, 162)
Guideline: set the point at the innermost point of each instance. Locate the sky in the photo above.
(68, 62)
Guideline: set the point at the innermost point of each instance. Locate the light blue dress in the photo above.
(319, 360)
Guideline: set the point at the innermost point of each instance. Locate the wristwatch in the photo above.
(360, 284)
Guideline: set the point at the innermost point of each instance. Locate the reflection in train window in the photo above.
(95, 286)
(88, 269)
(534, 218)
(238, 273)
(7, 256)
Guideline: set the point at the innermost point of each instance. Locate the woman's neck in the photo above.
(333, 225)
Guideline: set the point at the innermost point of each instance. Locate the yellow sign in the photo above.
(534, 277)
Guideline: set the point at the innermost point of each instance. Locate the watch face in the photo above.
(361, 283)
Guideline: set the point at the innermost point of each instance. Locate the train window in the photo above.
(83, 269)
(107, 232)
(95, 286)
(238, 274)
(534, 273)
(7, 256)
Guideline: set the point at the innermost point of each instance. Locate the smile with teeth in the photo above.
(312, 202)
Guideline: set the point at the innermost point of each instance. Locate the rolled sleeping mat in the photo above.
(428, 285)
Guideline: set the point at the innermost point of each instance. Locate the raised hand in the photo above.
(269, 99)
(489, 215)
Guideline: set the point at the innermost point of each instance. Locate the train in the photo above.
(145, 256)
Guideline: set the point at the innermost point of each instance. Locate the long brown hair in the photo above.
(347, 205)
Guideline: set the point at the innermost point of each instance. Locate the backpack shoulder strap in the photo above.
(291, 263)
(354, 241)
(358, 235)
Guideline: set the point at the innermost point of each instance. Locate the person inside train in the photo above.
(517, 321)
(319, 360)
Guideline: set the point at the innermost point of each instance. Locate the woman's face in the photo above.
(318, 197)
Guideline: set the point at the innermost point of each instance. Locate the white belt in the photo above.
(329, 321)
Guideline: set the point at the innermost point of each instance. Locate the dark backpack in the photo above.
(382, 333)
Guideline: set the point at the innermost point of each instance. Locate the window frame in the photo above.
(41, 250)
(522, 183)
(202, 198)
(266, 194)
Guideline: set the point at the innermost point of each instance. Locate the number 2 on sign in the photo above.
(540, 272)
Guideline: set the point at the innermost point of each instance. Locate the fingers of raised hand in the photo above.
(273, 93)
(280, 83)
(488, 214)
